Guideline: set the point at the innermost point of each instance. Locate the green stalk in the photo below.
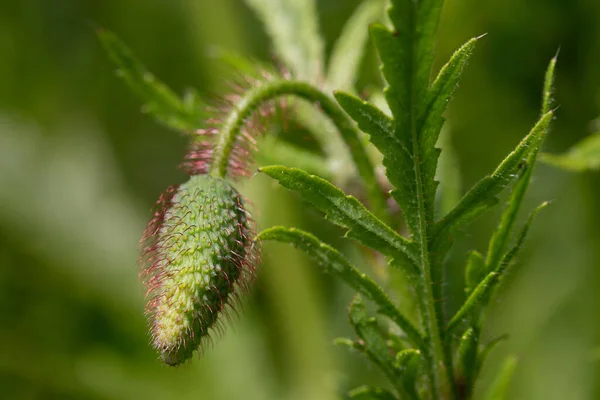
(268, 91)
(439, 371)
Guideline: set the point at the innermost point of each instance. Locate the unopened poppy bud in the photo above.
(196, 256)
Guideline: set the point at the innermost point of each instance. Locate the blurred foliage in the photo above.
(80, 167)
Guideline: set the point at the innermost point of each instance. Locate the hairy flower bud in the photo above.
(196, 255)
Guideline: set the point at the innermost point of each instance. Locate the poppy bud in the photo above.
(196, 255)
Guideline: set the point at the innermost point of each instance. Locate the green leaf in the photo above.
(331, 261)
(466, 361)
(397, 152)
(474, 271)
(293, 28)
(483, 195)
(406, 55)
(431, 120)
(478, 294)
(159, 101)
(369, 393)
(349, 343)
(499, 388)
(380, 128)
(484, 289)
(549, 85)
(368, 331)
(397, 157)
(584, 156)
(343, 144)
(408, 362)
(348, 51)
(407, 142)
(501, 235)
(347, 212)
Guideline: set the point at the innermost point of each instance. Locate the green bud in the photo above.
(196, 255)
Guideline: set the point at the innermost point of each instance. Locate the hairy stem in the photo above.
(439, 371)
(269, 91)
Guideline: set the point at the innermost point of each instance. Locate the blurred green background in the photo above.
(80, 167)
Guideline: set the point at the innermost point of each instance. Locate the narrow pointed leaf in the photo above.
(478, 294)
(349, 343)
(375, 347)
(431, 120)
(408, 362)
(501, 235)
(466, 361)
(331, 261)
(549, 86)
(366, 328)
(347, 212)
(584, 156)
(499, 388)
(406, 56)
(397, 157)
(483, 195)
(349, 49)
(159, 100)
(483, 291)
(293, 28)
(370, 393)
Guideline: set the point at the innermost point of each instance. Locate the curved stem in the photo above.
(268, 91)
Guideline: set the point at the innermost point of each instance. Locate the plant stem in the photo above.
(271, 90)
(439, 371)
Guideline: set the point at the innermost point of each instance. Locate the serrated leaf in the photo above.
(406, 55)
(368, 331)
(584, 156)
(474, 271)
(501, 235)
(331, 261)
(343, 144)
(347, 212)
(397, 157)
(293, 28)
(431, 120)
(370, 393)
(159, 100)
(499, 388)
(484, 289)
(348, 50)
(483, 195)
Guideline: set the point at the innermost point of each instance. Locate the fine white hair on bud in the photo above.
(196, 255)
